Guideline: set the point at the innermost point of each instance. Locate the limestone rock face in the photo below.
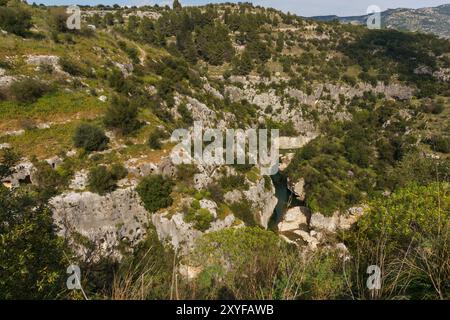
(298, 189)
(103, 220)
(337, 221)
(263, 200)
(80, 180)
(293, 142)
(45, 60)
(181, 235)
(320, 222)
(294, 219)
(6, 81)
(22, 173)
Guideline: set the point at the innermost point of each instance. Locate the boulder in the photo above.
(294, 219)
(320, 222)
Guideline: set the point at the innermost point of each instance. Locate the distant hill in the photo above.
(434, 20)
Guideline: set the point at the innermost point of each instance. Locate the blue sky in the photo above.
(301, 7)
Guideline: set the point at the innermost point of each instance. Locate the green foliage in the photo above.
(58, 20)
(48, 180)
(122, 115)
(155, 192)
(154, 140)
(90, 138)
(32, 261)
(411, 225)
(101, 180)
(28, 90)
(201, 218)
(71, 67)
(233, 182)
(243, 210)
(8, 159)
(243, 65)
(15, 20)
(440, 143)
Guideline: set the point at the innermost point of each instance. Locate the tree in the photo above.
(122, 115)
(177, 5)
(244, 65)
(155, 192)
(32, 256)
(280, 43)
(90, 138)
(58, 20)
(109, 19)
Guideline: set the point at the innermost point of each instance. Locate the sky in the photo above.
(301, 7)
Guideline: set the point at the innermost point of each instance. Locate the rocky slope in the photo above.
(433, 20)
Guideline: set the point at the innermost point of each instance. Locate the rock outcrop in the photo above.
(106, 221)
(294, 219)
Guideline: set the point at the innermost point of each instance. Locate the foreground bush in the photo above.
(406, 235)
(155, 192)
(90, 138)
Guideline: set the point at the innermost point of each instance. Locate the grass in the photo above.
(43, 143)
(57, 107)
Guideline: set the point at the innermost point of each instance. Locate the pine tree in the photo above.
(177, 5)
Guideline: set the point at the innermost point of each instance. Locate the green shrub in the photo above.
(432, 107)
(71, 67)
(154, 140)
(122, 115)
(101, 180)
(232, 182)
(244, 211)
(119, 172)
(15, 20)
(201, 218)
(155, 192)
(90, 138)
(439, 144)
(28, 90)
(58, 20)
(47, 179)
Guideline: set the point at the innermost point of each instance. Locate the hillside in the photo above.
(431, 20)
(86, 119)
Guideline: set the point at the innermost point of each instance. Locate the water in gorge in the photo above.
(286, 199)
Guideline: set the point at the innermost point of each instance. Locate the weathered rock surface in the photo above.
(294, 219)
(105, 221)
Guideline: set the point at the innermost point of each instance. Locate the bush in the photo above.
(58, 20)
(154, 140)
(15, 20)
(439, 144)
(155, 192)
(230, 183)
(407, 234)
(28, 90)
(201, 218)
(119, 172)
(90, 138)
(47, 179)
(122, 115)
(71, 67)
(433, 108)
(244, 211)
(101, 180)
